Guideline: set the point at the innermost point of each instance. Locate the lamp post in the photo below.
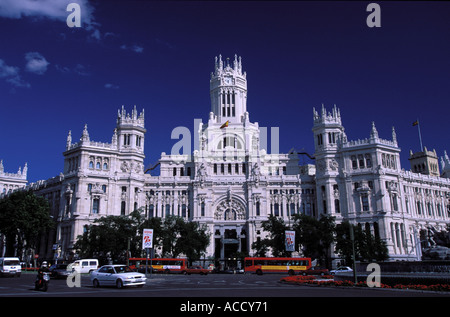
(352, 238)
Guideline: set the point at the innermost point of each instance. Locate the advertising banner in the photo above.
(290, 240)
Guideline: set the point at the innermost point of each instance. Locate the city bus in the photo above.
(159, 265)
(291, 266)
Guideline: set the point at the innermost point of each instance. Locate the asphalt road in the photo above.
(177, 292)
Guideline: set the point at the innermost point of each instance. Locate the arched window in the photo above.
(97, 166)
(105, 166)
(91, 164)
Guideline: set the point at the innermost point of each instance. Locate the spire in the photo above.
(134, 113)
(114, 138)
(85, 135)
(1, 166)
(25, 170)
(69, 140)
(374, 132)
(394, 136)
(134, 119)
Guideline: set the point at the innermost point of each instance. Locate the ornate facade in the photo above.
(231, 184)
(10, 182)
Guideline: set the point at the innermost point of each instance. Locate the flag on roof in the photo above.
(225, 124)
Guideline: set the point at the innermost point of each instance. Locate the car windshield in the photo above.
(123, 269)
(11, 262)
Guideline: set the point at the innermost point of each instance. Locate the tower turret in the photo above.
(228, 89)
(130, 130)
(328, 130)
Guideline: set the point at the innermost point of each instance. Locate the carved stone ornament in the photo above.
(334, 165)
(230, 210)
(125, 167)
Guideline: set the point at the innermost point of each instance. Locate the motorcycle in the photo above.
(42, 283)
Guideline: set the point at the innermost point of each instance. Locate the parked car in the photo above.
(341, 269)
(117, 275)
(196, 269)
(59, 271)
(316, 270)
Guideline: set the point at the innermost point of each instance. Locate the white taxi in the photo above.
(117, 275)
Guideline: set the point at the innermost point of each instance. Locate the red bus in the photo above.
(159, 265)
(276, 265)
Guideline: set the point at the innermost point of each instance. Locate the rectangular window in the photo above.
(394, 202)
(122, 208)
(151, 209)
(368, 160)
(183, 211)
(365, 202)
(337, 206)
(354, 162)
(95, 206)
(361, 161)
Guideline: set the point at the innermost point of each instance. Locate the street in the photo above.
(211, 285)
(209, 294)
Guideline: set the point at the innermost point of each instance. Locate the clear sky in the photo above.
(158, 55)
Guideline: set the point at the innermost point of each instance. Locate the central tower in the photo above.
(228, 88)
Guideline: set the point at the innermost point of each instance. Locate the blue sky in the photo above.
(158, 55)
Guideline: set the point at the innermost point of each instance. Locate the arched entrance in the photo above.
(230, 236)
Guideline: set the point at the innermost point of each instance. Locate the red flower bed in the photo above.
(298, 278)
(329, 282)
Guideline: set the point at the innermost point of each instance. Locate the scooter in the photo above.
(42, 283)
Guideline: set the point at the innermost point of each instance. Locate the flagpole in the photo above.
(420, 136)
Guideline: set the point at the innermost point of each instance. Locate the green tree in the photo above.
(275, 240)
(24, 217)
(315, 236)
(261, 247)
(109, 238)
(193, 240)
(367, 246)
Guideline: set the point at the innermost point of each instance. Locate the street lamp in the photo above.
(352, 238)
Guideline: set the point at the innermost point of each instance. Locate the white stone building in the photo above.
(231, 184)
(10, 182)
